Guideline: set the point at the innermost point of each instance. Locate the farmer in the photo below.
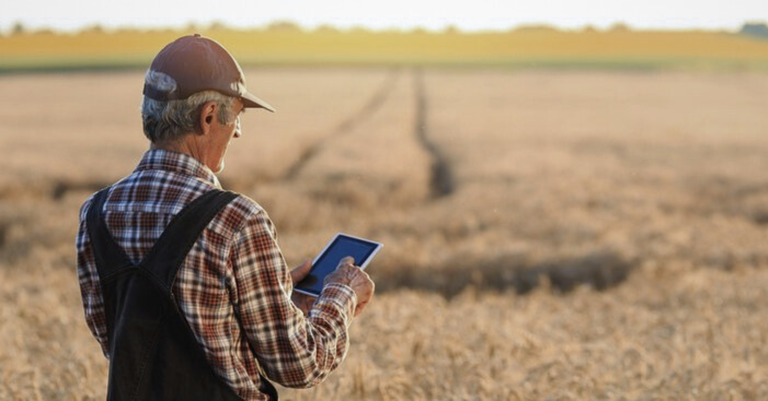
(183, 284)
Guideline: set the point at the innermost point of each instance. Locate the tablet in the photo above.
(342, 245)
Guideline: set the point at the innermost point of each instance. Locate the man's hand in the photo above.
(349, 274)
(302, 301)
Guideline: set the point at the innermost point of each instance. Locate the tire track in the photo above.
(599, 268)
(441, 177)
(368, 109)
(54, 189)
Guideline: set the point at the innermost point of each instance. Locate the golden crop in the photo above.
(548, 235)
(521, 48)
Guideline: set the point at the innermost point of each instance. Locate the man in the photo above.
(183, 284)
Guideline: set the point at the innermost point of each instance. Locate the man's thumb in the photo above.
(301, 271)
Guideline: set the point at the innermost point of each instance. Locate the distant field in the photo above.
(532, 48)
(548, 234)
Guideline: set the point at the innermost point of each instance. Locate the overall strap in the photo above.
(110, 257)
(181, 234)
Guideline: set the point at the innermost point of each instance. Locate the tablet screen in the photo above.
(340, 247)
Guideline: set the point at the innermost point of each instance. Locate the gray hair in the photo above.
(165, 121)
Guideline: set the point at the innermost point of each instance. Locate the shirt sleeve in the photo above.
(293, 350)
(90, 290)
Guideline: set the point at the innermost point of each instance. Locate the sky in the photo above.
(377, 14)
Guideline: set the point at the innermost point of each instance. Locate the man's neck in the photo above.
(184, 145)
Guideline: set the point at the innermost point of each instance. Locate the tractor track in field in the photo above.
(54, 189)
(441, 179)
(370, 107)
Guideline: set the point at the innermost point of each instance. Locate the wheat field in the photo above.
(548, 235)
(531, 47)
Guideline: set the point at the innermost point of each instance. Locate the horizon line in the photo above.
(20, 26)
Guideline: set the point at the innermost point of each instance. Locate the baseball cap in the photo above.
(198, 63)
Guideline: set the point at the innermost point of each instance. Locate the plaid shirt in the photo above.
(233, 287)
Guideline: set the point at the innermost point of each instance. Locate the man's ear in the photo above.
(208, 114)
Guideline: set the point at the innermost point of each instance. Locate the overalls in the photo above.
(153, 353)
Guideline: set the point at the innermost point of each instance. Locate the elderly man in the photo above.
(183, 284)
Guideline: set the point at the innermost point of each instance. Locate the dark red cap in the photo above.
(198, 63)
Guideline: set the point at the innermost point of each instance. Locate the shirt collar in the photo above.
(160, 159)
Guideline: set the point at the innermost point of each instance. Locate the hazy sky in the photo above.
(471, 15)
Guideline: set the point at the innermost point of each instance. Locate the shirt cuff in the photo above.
(341, 296)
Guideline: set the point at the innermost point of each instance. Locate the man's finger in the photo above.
(347, 260)
(306, 266)
(359, 308)
(301, 271)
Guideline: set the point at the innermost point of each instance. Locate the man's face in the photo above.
(222, 135)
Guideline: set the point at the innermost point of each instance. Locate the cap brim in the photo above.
(249, 100)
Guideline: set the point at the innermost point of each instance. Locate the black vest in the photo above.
(153, 353)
